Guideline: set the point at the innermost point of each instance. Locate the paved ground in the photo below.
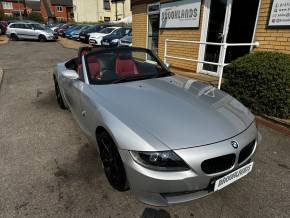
(68, 43)
(3, 39)
(48, 169)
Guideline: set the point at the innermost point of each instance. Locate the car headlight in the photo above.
(161, 160)
(115, 40)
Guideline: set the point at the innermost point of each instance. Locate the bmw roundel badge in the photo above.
(235, 144)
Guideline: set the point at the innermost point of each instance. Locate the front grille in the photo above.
(247, 151)
(218, 164)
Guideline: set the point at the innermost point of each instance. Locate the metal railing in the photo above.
(221, 64)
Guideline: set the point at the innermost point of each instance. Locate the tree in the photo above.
(35, 16)
(2, 15)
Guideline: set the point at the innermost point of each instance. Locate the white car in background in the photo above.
(96, 38)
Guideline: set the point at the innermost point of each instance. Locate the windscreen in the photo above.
(123, 65)
(107, 30)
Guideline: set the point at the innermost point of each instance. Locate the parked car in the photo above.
(56, 26)
(96, 38)
(61, 30)
(113, 39)
(168, 138)
(85, 34)
(26, 30)
(126, 41)
(3, 27)
(69, 33)
(76, 34)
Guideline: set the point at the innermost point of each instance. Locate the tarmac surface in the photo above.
(48, 168)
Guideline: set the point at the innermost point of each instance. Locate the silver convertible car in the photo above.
(167, 138)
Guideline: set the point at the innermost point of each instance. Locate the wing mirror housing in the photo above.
(70, 74)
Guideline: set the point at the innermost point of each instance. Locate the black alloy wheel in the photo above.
(42, 38)
(13, 37)
(112, 162)
(59, 97)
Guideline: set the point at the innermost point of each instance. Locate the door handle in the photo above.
(84, 113)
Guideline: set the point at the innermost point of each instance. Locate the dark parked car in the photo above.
(3, 27)
(84, 35)
(76, 34)
(114, 38)
(126, 41)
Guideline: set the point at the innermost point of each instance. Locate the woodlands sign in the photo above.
(180, 14)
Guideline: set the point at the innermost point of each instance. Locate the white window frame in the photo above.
(204, 31)
(7, 5)
(59, 7)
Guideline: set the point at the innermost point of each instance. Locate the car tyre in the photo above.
(59, 96)
(112, 162)
(42, 38)
(14, 37)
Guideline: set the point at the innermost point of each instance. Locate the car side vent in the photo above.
(247, 151)
(218, 164)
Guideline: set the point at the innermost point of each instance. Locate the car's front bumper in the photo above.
(95, 41)
(76, 36)
(125, 44)
(51, 37)
(164, 188)
(109, 44)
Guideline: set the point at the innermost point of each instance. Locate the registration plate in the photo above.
(106, 43)
(233, 176)
(82, 37)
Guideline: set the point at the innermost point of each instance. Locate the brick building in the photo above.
(215, 21)
(34, 5)
(14, 7)
(56, 10)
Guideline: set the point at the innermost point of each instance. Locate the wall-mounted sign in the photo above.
(280, 14)
(180, 14)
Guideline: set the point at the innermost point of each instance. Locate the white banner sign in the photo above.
(280, 13)
(180, 14)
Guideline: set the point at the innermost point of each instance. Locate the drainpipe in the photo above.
(25, 9)
(123, 9)
(116, 10)
(19, 9)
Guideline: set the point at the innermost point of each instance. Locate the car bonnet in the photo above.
(181, 113)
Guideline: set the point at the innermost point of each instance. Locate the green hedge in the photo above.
(261, 81)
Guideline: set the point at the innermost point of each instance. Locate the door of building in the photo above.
(227, 21)
(153, 12)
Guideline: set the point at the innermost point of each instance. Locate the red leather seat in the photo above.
(94, 66)
(126, 66)
(79, 67)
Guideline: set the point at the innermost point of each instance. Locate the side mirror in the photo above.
(167, 65)
(70, 74)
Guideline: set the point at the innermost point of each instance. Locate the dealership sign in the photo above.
(280, 14)
(180, 14)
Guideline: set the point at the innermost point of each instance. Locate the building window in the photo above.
(7, 5)
(107, 19)
(59, 8)
(107, 5)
